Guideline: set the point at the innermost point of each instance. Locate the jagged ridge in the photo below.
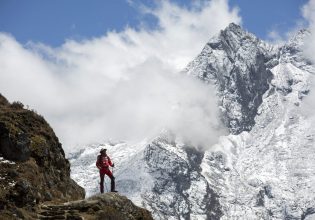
(239, 64)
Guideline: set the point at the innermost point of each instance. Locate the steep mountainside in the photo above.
(239, 64)
(33, 168)
(264, 169)
(35, 175)
(272, 171)
(159, 175)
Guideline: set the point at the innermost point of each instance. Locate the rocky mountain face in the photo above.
(34, 174)
(160, 175)
(264, 169)
(239, 64)
(272, 173)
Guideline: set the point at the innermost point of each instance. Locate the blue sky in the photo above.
(262, 16)
(51, 22)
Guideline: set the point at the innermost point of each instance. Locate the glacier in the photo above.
(264, 169)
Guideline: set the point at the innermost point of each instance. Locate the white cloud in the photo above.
(308, 11)
(275, 37)
(123, 85)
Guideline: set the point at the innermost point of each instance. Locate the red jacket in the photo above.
(103, 162)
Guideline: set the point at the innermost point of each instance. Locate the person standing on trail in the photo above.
(103, 162)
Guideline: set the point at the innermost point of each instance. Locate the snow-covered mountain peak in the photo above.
(263, 170)
(238, 63)
(236, 32)
(297, 40)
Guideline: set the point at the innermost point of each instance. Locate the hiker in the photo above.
(103, 162)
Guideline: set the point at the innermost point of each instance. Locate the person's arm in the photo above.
(110, 162)
(98, 163)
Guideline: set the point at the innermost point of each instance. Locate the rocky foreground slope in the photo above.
(35, 178)
(264, 169)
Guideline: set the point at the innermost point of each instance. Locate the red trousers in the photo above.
(106, 171)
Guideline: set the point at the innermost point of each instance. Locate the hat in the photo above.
(103, 150)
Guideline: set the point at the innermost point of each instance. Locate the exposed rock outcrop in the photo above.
(35, 178)
(110, 206)
(33, 167)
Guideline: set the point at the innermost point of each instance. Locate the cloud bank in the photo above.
(308, 11)
(123, 85)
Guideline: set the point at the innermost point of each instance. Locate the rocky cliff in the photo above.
(35, 178)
